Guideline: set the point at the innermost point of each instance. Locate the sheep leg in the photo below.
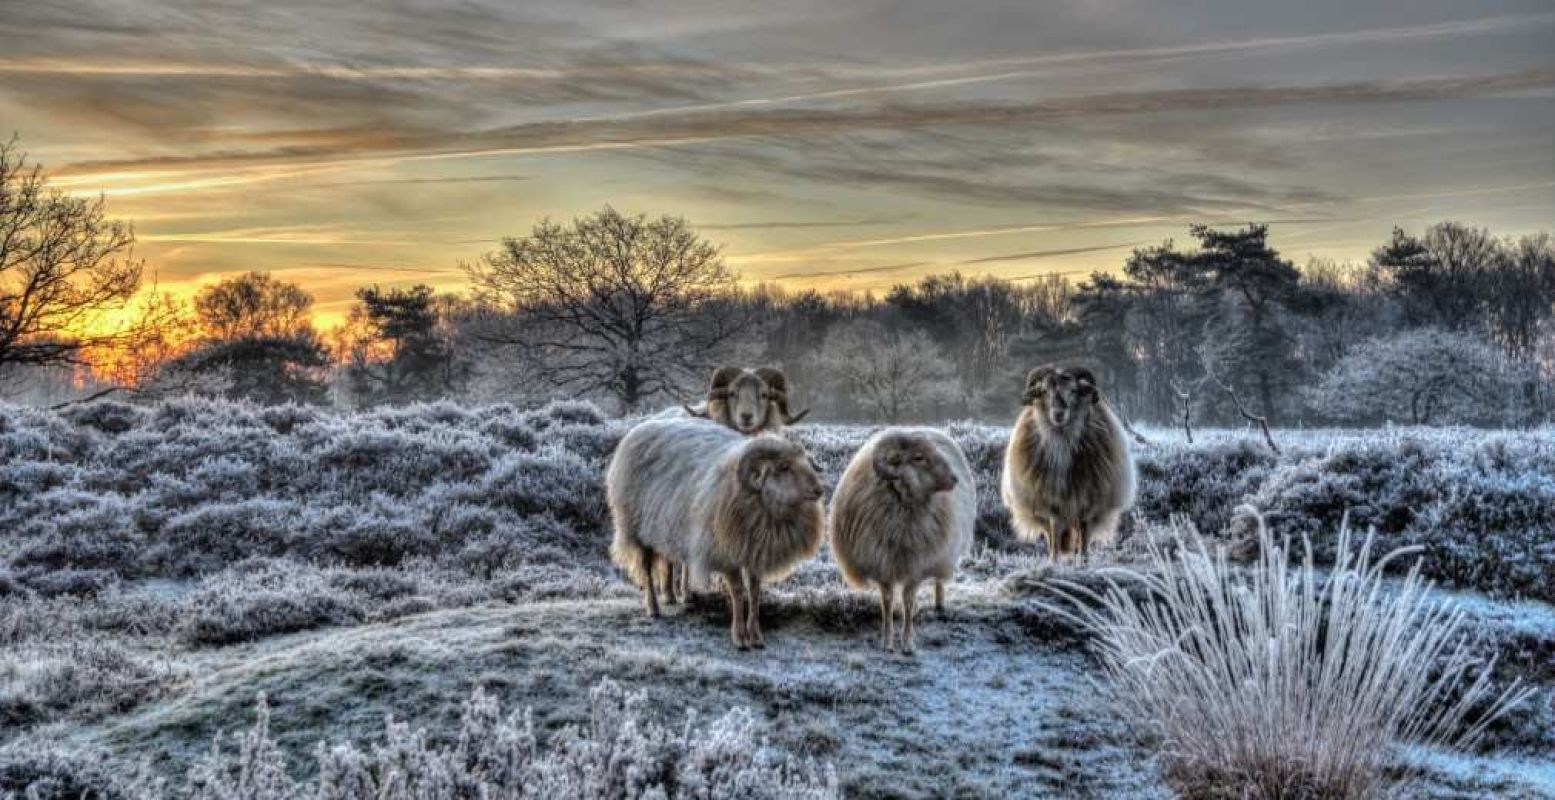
(1085, 542)
(682, 590)
(649, 566)
(662, 569)
(939, 598)
(909, 611)
(887, 617)
(736, 588)
(753, 612)
(1058, 542)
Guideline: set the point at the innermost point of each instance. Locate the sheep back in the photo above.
(672, 487)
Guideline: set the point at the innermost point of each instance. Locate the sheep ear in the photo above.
(1034, 380)
(718, 388)
(752, 470)
(1086, 380)
(883, 468)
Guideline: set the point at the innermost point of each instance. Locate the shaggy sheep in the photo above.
(903, 513)
(748, 400)
(745, 508)
(1068, 474)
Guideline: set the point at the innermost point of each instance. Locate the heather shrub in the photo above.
(69, 529)
(45, 681)
(399, 462)
(196, 485)
(66, 582)
(551, 481)
(1285, 681)
(31, 771)
(283, 419)
(261, 598)
(202, 540)
(106, 416)
(384, 533)
(622, 754)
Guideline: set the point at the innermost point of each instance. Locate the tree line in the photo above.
(1447, 325)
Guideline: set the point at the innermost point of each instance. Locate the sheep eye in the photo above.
(918, 458)
(782, 466)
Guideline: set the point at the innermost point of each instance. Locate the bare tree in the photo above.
(62, 265)
(625, 306)
(890, 373)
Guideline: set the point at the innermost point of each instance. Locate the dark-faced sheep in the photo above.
(748, 400)
(1068, 474)
(747, 509)
(903, 513)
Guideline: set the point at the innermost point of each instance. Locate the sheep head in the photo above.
(912, 466)
(1061, 394)
(744, 399)
(779, 473)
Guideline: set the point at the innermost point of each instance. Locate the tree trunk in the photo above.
(631, 390)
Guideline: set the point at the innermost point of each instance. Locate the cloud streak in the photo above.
(696, 127)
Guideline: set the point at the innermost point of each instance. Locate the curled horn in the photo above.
(700, 414)
(1033, 380)
(722, 377)
(777, 384)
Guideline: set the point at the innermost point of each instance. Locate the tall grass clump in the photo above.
(1281, 680)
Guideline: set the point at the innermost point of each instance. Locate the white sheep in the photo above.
(904, 512)
(690, 491)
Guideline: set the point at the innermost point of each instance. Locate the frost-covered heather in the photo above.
(1480, 503)
(1286, 681)
(111, 492)
(622, 754)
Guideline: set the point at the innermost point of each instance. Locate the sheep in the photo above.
(750, 401)
(903, 512)
(1068, 474)
(745, 508)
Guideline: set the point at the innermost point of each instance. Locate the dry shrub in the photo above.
(1282, 680)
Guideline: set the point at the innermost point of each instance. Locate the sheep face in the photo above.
(748, 401)
(1063, 396)
(748, 398)
(912, 467)
(779, 473)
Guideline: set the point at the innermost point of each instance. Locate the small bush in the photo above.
(263, 598)
(1285, 682)
(43, 682)
(106, 416)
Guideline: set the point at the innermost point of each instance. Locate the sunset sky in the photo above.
(835, 143)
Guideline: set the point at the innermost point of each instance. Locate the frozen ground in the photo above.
(166, 566)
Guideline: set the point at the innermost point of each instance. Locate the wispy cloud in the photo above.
(1037, 254)
(784, 224)
(694, 127)
(834, 273)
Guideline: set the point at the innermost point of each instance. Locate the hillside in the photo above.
(167, 565)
